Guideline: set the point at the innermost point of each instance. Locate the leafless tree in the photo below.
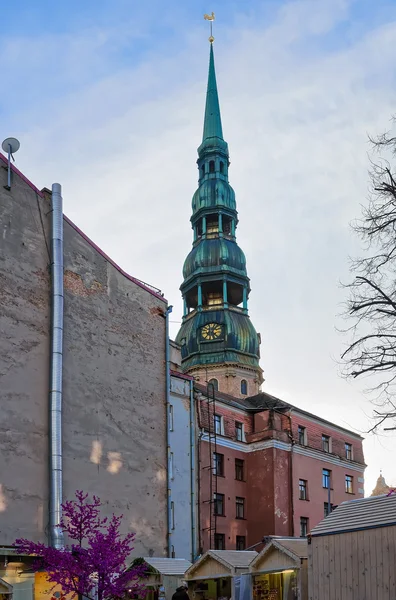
(371, 304)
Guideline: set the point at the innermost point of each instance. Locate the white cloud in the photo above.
(296, 111)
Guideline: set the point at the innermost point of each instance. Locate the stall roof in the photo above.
(227, 561)
(169, 566)
(355, 515)
(294, 548)
(239, 559)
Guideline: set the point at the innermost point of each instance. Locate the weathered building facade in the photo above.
(114, 378)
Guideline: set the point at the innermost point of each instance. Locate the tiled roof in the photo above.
(363, 513)
(264, 401)
(169, 566)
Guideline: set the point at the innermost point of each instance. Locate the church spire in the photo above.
(217, 338)
(212, 122)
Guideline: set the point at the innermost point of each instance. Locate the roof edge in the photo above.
(42, 193)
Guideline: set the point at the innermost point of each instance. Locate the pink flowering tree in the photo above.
(94, 563)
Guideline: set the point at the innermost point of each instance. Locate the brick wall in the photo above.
(229, 418)
(314, 433)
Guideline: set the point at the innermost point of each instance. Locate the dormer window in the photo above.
(212, 166)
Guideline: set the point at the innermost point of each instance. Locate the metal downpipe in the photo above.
(56, 359)
(192, 471)
(168, 448)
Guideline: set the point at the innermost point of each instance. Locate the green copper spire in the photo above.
(212, 122)
(216, 335)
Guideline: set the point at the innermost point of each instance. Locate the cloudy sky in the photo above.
(107, 98)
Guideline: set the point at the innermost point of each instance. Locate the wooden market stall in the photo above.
(163, 576)
(280, 571)
(213, 576)
(352, 552)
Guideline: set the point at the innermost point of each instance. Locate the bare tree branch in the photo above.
(371, 306)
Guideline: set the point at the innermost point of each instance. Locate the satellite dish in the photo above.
(11, 145)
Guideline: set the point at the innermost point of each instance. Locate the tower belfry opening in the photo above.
(217, 337)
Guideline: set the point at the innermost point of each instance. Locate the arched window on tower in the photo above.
(203, 170)
(212, 166)
(221, 167)
(244, 387)
(214, 383)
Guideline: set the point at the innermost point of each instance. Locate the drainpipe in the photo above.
(56, 359)
(192, 470)
(168, 446)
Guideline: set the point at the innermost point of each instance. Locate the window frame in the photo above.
(218, 419)
(326, 511)
(216, 471)
(218, 498)
(240, 507)
(242, 431)
(348, 480)
(304, 523)
(302, 431)
(239, 464)
(244, 387)
(348, 451)
(303, 489)
(326, 441)
(238, 539)
(222, 537)
(326, 478)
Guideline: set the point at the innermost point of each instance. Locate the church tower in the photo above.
(218, 341)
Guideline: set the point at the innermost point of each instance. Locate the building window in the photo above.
(203, 171)
(326, 478)
(218, 464)
(219, 505)
(219, 541)
(240, 508)
(218, 424)
(211, 166)
(215, 384)
(326, 508)
(349, 484)
(239, 469)
(244, 387)
(348, 451)
(303, 526)
(325, 443)
(240, 542)
(302, 486)
(239, 431)
(302, 437)
(221, 167)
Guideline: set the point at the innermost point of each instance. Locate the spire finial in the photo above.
(210, 18)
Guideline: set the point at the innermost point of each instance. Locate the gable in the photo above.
(275, 559)
(210, 567)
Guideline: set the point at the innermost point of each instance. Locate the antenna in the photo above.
(10, 145)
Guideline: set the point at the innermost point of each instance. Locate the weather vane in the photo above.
(210, 18)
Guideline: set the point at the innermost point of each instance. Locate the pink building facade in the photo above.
(269, 468)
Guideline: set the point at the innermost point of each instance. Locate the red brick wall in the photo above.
(229, 418)
(314, 437)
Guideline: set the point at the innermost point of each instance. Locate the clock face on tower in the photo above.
(211, 331)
